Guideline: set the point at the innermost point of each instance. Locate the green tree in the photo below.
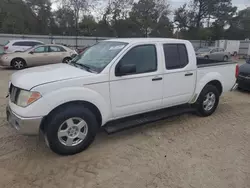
(65, 20)
(88, 26)
(42, 10)
(146, 14)
(17, 17)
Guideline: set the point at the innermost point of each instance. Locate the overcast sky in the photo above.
(174, 4)
(241, 4)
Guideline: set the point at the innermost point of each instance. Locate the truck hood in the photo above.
(31, 77)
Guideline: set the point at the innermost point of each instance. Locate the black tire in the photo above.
(18, 63)
(199, 103)
(206, 57)
(235, 54)
(225, 58)
(58, 118)
(66, 59)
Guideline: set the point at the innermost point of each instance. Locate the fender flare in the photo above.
(55, 99)
(208, 78)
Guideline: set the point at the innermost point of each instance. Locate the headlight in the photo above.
(25, 98)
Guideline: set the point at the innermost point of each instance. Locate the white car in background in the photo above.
(20, 45)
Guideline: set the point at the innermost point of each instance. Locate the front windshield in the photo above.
(204, 50)
(99, 56)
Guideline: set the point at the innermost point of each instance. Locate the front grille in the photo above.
(14, 92)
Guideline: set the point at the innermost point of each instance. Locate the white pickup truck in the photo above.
(110, 84)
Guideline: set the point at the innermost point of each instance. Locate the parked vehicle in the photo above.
(38, 55)
(20, 45)
(109, 85)
(218, 54)
(243, 79)
(230, 46)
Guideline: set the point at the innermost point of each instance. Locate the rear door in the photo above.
(20, 46)
(179, 74)
(57, 54)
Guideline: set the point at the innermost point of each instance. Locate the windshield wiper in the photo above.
(86, 67)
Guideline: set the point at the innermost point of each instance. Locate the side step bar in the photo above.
(134, 121)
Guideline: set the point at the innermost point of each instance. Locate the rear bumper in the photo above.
(25, 126)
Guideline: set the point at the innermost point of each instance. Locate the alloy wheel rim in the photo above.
(209, 101)
(18, 64)
(72, 131)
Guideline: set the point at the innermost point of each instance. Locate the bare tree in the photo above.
(78, 7)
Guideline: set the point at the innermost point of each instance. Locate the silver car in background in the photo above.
(218, 54)
(38, 55)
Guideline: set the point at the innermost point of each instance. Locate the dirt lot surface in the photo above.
(181, 152)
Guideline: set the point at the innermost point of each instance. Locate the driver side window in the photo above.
(143, 58)
(214, 51)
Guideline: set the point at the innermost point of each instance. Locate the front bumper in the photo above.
(243, 82)
(4, 62)
(26, 126)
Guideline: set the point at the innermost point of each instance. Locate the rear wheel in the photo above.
(208, 101)
(18, 64)
(71, 130)
(206, 57)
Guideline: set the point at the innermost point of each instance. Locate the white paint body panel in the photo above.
(117, 97)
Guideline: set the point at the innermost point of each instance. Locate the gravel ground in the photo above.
(181, 152)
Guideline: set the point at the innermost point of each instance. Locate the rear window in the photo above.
(21, 44)
(27, 43)
(175, 56)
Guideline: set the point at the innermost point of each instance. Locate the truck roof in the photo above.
(139, 40)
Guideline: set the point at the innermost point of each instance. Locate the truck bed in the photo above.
(222, 71)
(203, 62)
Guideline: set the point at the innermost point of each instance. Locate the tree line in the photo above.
(199, 19)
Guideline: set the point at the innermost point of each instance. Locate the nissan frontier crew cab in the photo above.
(115, 82)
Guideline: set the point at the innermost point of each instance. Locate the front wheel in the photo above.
(71, 130)
(208, 101)
(66, 60)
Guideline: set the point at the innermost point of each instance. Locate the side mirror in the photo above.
(31, 52)
(125, 69)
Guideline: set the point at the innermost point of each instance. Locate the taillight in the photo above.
(237, 71)
(5, 47)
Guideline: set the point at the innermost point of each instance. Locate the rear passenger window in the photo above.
(26, 43)
(175, 56)
(21, 44)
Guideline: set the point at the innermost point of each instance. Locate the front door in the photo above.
(39, 56)
(140, 90)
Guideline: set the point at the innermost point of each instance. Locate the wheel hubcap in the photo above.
(209, 101)
(18, 64)
(73, 131)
